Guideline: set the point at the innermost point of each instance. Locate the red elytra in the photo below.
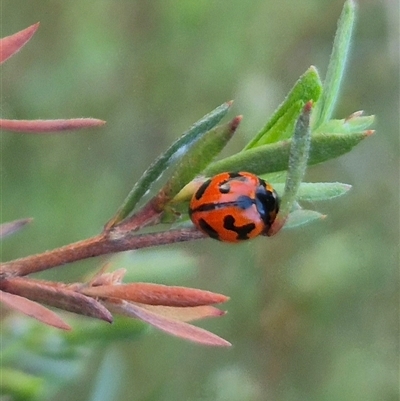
(233, 207)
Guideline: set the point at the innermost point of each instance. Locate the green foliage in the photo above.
(157, 168)
(301, 217)
(286, 142)
(274, 158)
(283, 141)
(352, 125)
(337, 64)
(299, 152)
(276, 146)
(317, 191)
(198, 156)
(307, 88)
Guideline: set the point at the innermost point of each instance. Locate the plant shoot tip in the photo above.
(356, 114)
(235, 122)
(308, 106)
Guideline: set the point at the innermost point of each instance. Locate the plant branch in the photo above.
(105, 243)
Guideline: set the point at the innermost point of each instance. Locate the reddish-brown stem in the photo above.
(102, 244)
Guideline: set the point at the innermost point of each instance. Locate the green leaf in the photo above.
(317, 191)
(302, 217)
(274, 157)
(299, 152)
(157, 168)
(197, 158)
(354, 123)
(328, 146)
(284, 126)
(341, 45)
(308, 87)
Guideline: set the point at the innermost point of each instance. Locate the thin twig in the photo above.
(105, 243)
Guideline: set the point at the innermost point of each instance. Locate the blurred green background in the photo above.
(314, 312)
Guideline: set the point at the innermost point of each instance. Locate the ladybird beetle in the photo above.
(233, 207)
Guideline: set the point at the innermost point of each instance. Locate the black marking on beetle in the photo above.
(200, 192)
(208, 229)
(224, 188)
(262, 182)
(233, 174)
(242, 231)
(242, 202)
(206, 207)
(266, 203)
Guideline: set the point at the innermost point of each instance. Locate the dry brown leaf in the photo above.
(103, 278)
(188, 314)
(170, 326)
(33, 309)
(56, 295)
(156, 294)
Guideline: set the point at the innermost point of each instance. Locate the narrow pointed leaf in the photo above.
(317, 191)
(284, 126)
(102, 277)
(10, 45)
(158, 167)
(341, 45)
(274, 157)
(33, 309)
(13, 226)
(170, 326)
(346, 126)
(328, 146)
(195, 160)
(359, 124)
(57, 296)
(186, 193)
(299, 152)
(302, 217)
(156, 294)
(188, 314)
(49, 126)
(308, 87)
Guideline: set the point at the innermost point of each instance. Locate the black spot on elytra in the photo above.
(224, 186)
(206, 207)
(200, 192)
(242, 202)
(242, 231)
(208, 229)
